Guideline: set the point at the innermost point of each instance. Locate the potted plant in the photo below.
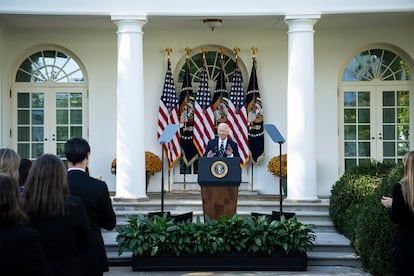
(274, 167)
(153, 164)
(162, 244)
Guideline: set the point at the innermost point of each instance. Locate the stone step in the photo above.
(330, 247)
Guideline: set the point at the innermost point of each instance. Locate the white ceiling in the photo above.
(195, 23)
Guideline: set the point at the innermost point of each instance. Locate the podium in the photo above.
(219, 179)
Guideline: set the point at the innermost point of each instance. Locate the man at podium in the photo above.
(222, 146)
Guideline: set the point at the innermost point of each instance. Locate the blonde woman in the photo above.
(402, 213)
(10, 163)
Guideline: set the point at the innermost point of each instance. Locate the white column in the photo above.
(130, 150)
(302, 184)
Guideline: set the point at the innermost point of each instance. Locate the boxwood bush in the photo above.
(349, 192)
(374, 231)
(357, 213)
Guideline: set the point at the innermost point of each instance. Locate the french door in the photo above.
(44, 118)
(375, 124)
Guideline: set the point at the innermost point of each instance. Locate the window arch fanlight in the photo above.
(49, 65)
(376, 64)
(213, 58)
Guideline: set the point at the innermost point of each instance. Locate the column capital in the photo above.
(301, 22)
(129, 22)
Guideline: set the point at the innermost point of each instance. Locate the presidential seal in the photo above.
(219, 169)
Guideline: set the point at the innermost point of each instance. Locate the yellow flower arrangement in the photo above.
(274, 165)
(153, 164)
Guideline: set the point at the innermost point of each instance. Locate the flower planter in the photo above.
(235, 261)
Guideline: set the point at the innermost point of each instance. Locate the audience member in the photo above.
(24, 168)
(95, 196)
(60, 218)
(21, 252)
(10, 162)
(402, 213)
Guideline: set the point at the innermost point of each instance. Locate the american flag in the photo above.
(237, 116)
(168, 114)
(203, 114)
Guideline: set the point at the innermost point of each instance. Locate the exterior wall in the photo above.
(97, 51)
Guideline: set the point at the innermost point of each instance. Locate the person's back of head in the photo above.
(24, 168)
(10, 210)
(46, 188)
(10, 162)
(76, 150)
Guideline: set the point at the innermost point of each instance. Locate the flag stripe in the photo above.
(203, 114)
(238, 117)
(168, 114)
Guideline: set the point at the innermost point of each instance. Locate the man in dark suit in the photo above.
(222, 146)
(95, 197)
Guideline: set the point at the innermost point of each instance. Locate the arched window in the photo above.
(376, 64)
(213, 59)
(49, 65)
(375, 100)
(49, 100)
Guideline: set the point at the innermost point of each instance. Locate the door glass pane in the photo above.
(23, 100)
(37, 117)
(69, 117)
(389, 149)
(23, 134)
(60, 150)
(38, 100)
(364, 115)
(350, 116)
(364, 149)
(62, 133)
(37, 150)
(364, 132)
(37, 133)
(30, 124)
(23, 117)
(388, 99)
(62, 100)
(350, 132)
(24, 150)
(75, 100)
(61, 117)
(395, 119)
(388, 132)
(76, 116)
(76, 131)
(349, 99)
(363, 99)
(388, 115)
(357, 127)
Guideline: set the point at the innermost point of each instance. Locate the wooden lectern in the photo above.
(219, 179)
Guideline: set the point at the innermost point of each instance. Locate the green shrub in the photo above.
(350, 191)
(374, 231)
(151, 236)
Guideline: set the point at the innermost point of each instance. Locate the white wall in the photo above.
(97, 51)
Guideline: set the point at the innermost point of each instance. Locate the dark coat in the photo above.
(404, 239)
(64, 237)
(95, 197)
(21, 252)
(213, 146)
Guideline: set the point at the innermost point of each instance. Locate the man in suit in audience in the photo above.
(222, 146)
(95, 197)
